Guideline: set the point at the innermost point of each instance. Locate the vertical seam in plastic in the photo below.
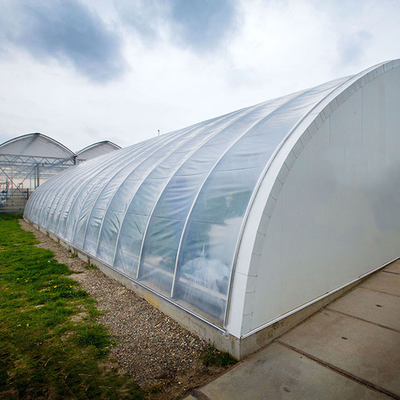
(267, 117)
(152, 150)
(57, 182)
(175, 133)
(55, 204)
(41, 205)
(172, 152)
(40, 210)
(184, 131)
(70, 191)
(181, 133)
(169, 180)
(97, 170)
(132, 153)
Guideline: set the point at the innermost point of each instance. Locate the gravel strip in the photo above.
(151, 347)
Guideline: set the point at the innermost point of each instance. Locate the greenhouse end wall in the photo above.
(332, 214)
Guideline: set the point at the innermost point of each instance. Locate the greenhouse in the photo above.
(96, 150)
(237, 225)
(25, 162)
(29, 160)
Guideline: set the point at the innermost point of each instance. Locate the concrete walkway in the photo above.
(348, 350)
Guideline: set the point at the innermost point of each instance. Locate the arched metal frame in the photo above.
(27, 161)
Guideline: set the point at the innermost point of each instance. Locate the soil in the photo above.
(161, 356)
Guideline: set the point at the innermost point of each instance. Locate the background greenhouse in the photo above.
(29, 160)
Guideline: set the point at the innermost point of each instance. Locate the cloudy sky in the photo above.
(82, 71)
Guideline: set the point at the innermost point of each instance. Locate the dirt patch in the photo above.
(161, 356)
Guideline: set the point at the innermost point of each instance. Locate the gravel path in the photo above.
(152, 347)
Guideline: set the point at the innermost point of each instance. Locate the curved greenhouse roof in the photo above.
(29, 160)
(25, 162)
(36, 145)
(96, 150)
(215, 220)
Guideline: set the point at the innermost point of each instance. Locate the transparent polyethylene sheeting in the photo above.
(96, 150)
(168, 212)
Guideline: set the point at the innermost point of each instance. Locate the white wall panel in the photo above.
(337, 216)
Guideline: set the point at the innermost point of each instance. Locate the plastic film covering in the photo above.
(96, 150)
(168, 212)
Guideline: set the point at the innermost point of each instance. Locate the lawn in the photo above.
(50, 343)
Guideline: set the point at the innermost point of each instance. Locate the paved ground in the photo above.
(348, 350)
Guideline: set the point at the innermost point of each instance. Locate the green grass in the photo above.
(46, 352)
(212, 356)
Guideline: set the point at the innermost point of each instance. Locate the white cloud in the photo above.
(273, 48)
